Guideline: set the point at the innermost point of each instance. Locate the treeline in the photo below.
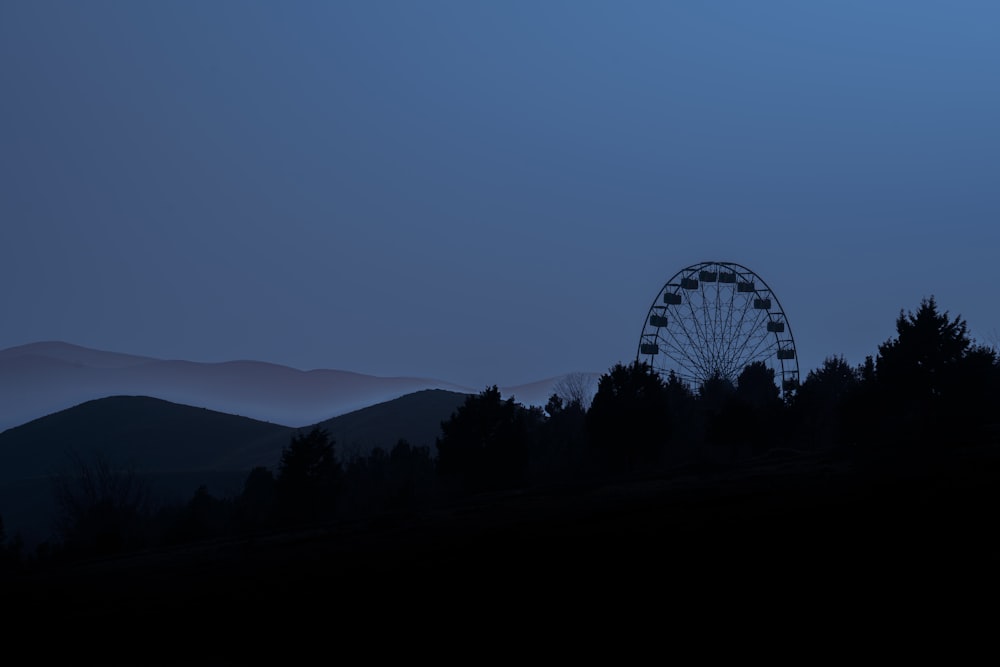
(929, 387)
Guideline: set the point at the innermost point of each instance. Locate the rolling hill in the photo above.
(175, 447)
(148, 434)
(154, 436)
(179, 447)
(184, 424)
(415, 417)
(40, 379)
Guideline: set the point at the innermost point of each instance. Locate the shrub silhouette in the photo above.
(820, 403)
(484, 445)
(561, 450)
(102, 509)
(255, 506)
(628, 421)
(308, 478)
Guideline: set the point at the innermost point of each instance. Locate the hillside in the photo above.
(176, 447)
(156, 436)
(415, 417)
(148, 434)
(179, 447)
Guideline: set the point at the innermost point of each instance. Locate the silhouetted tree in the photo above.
(401, 478)
(923, 357)
(755, 386)
(365, 482)
(862, 415)
(744, 418)
(714, 397)
(685, 431)
(561, 450)
(820, 403)
(715, 392)
(484, 445)
(10, 551)
(255, 506)
(575, 388)
(554, 405)
(628, 421)
(308, 477)
(758, 395)
(411, 474)
(102, 509)
(933, 384)
(203, 517)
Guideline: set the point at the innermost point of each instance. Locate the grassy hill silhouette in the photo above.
(179, 447)
(152, 435)
(148, 434)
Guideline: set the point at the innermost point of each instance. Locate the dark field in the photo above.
(810, 532)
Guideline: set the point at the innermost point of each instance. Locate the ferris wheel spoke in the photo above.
(694, 319)
(707, 351)
(756, 354)
(684, 350)
(679, 348)
(757, 324)
(721, 325)
(718, 334)
(742, 351)
(733, 295)
(709, 307)
(767, 340)
(737, 339)
(690, 366)
(711, 337)
(698, 334)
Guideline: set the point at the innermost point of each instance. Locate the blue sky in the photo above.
(487, 192)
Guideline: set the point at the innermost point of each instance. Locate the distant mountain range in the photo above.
(179, 448)
(43, 378)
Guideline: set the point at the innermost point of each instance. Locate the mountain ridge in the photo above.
(42, 378)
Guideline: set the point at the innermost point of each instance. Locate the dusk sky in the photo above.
(487, 192)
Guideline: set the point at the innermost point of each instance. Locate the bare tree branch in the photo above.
(576, 388)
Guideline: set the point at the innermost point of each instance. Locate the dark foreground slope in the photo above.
(813, 532)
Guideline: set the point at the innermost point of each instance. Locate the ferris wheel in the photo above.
(715, 318)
